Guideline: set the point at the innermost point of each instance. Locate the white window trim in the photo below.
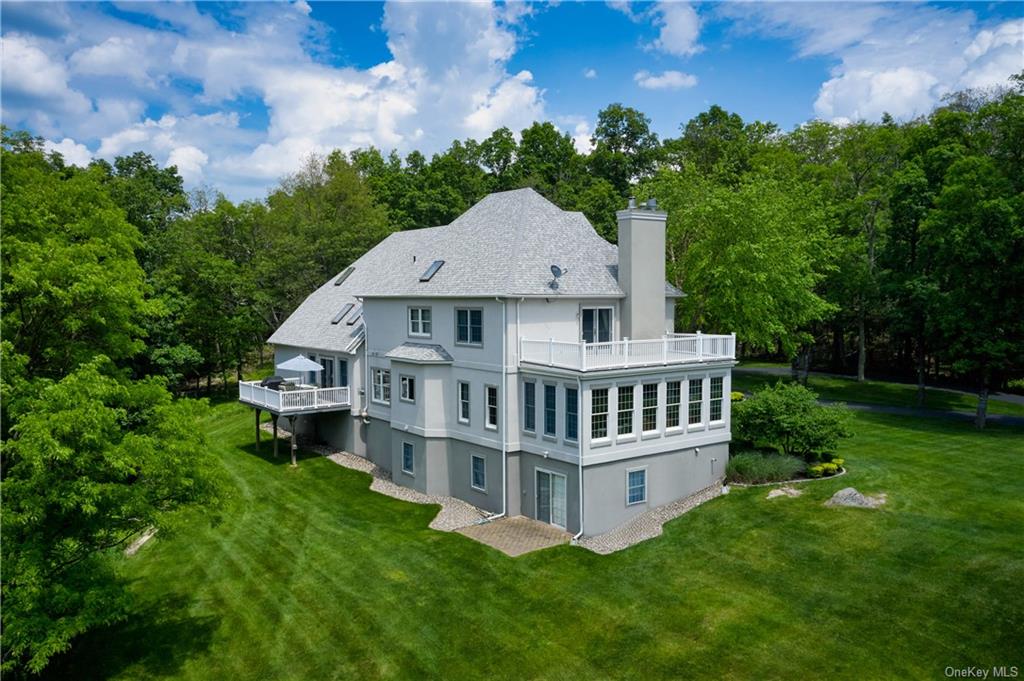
(458, 402)
(565, 412)
(403, 380)
(420, 333)
(607, 438)
(469, 326)
(531, 431)
(632, 434)
(374, 385)
(634, 470)
(702, 425)
(719, 421)
(611, 322)
(471, 481)
(682, 403)
(544, 411)
(405, 470)
(487, 407)
(657, 409)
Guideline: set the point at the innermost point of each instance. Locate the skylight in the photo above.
(344, 311)
(343, 276)
(355, 315)
(432, 270)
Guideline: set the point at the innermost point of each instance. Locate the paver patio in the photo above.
(517, 535)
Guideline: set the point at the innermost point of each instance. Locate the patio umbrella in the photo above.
(300, 363)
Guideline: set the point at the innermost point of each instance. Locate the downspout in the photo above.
(579, 450)
(504, 414)
(366, 367)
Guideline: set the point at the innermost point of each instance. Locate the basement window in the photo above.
(432, 270)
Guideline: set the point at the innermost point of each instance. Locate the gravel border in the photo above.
(647, 525)
(454, 514)
(842, 472)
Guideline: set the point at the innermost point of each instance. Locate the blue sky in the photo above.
(236, 95)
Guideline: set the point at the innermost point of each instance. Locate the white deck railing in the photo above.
(679, 348)
(281, 401)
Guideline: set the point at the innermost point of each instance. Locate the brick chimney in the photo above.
(642, 270)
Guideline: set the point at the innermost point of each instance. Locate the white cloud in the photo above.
(679, 27)
(73, 153)
(95, 77)
(669, 80)
(590, 73)
(898, 59)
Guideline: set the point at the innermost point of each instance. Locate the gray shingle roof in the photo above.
(503, 246)
(419, 352)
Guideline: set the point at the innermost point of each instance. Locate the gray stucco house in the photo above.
(518, 361)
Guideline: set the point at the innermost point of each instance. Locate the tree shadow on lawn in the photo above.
(156, 639)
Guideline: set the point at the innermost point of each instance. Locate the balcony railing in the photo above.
(295, 400)
(681, 348)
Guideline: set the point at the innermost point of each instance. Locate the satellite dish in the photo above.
(556, 271)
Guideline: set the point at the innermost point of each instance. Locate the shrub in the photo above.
(788, 417)
(737, 396)
(753, 468)
(823, 470)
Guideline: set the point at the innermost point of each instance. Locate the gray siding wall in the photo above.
(670, 476)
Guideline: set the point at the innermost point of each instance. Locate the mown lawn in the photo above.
(878, 392)
(309, 575)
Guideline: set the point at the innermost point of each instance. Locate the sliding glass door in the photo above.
(551, 498)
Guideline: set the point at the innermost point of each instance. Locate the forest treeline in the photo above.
(886, 246)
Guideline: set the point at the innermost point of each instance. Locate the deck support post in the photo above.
(291, 427)
(257, 430)
(274, 417)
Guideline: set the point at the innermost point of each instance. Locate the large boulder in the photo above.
(848, 496)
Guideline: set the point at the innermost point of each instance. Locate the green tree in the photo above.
(788, 417)
(92, 461)
(72, 287)
(625, 149)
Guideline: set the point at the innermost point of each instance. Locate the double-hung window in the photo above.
(572, 414)
(469, 326)
(491, 408)
(598, 413)
(419, 322)
(673, 395)
(625, 417)
(696, 401)
(382, 386)
(408, 459)
(596, 324)
(715, 406)
(463, 402)
(530, 406)
(478, 472)
(549, 409)
(407, 386)
(636, 486)
(649, 416)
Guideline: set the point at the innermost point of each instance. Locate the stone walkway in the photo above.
(454, 513)
(517, 535)
(647, 525)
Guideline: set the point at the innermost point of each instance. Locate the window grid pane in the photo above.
(716, 398)
(530, 406)
(492, 406)
(673, 393)
(571, 413)
(549, 410)
(464, 402)
(408, 460)
(696, 398)
(636, 487)
(625, 418)
(650, 413)
(479, 472)
(599, 413)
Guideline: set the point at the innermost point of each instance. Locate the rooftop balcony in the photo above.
(292, 398)
(676, 349)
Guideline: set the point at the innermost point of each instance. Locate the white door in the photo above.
(551, 498)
